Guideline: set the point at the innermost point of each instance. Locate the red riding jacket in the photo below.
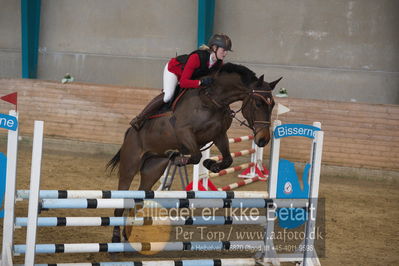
(197, 65)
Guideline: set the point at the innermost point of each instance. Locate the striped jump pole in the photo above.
(240, 139)
(171, 203)
(232, 169)
(240, 183)
(141, 221)
(154, 203)
(137, 247)
(198, 262)
(234, 154)
(141, 194)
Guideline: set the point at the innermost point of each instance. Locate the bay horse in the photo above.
(201, 116)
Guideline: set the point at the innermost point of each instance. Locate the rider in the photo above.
(187, 70)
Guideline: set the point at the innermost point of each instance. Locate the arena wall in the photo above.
(330, 50)
(356, 134)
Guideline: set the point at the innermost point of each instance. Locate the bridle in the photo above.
(251, 123)
(251, 95)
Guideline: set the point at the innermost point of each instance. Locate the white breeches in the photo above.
(169, 84)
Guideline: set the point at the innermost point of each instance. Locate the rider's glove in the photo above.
(206, 81)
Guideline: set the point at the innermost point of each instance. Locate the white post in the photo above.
(274, 158)
(204, 173)
(34, 193)
(271, 254)
(259, 158)
(318, 125)
(196, 176)
(254, 158)
(9, 196)
(310, 257)
(199, 171)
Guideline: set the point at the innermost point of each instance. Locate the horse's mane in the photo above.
(247, 75)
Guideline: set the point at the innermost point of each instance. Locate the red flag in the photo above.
(11, 98)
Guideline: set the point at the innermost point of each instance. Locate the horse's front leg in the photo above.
(222, 143)
(189, 147)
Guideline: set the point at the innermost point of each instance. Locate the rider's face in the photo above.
(221, 53)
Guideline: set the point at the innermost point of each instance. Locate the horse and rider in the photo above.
(201, 115)
(188, 71)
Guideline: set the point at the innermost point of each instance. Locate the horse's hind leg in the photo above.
(130, 162)
(151, 170)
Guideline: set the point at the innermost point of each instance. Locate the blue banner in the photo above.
(8, 122)
(295, 130)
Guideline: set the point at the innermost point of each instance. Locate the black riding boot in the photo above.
(148, 111)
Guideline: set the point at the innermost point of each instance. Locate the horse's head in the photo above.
(257, 109)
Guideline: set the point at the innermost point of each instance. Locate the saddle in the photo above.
(168, 108)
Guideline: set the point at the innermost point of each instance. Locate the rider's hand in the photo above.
(206, 81)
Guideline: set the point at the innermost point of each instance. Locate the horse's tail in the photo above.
(113, 163)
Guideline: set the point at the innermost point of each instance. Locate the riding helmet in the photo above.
(221, 40)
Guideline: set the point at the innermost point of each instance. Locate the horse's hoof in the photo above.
(215, 168)
(116, 239)
(208, 163)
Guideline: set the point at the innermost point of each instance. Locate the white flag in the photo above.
(281, 109)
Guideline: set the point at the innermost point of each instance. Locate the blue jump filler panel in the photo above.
(288, 185)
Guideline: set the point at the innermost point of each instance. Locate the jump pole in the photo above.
(140, 221)
(142, 194)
